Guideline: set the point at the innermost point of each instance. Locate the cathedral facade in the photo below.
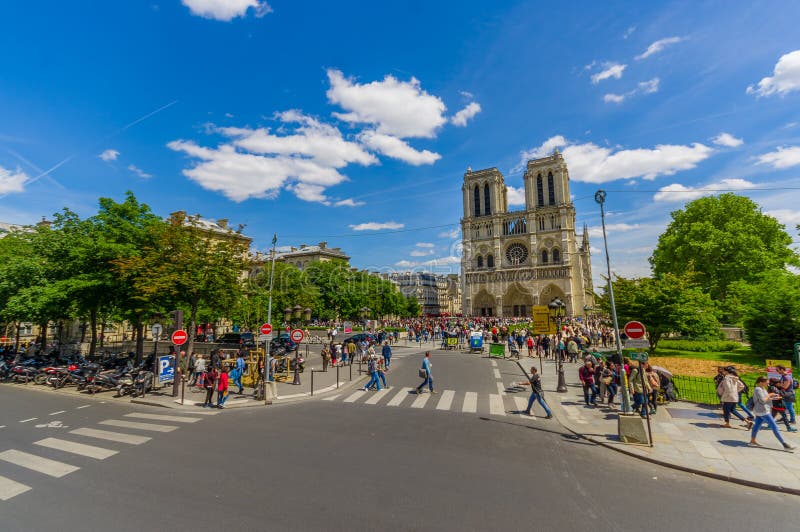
(512, 261)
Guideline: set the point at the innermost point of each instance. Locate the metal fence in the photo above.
(703, 389)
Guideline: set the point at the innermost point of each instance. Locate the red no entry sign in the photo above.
(179, 337)
(297, 335)
(266, 328)
(634, 330)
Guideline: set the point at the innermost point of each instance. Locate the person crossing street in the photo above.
(426, 371)
(537, 394)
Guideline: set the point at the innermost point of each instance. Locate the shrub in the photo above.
(699, 346)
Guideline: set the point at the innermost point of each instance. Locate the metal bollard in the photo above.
(312, 382)
(337, 375)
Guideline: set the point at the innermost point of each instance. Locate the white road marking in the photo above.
(9, 488)
(522, 404)
(84, 406)
(120, 437)
(470, 402)
(446, 400)
(355, 396)
(494, 363)
(2, 426)
(497, 374)
(377, 396)
(29, 419)
(501, 388)
(332, 397)
(56, 413)
(496, 406)
(399, 397)
(292, 396)
(37, 463)
(420, 401)
(203, 413)
(91, 451)
(139, 426)
(161, 417)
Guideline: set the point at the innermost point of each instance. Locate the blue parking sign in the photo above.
(166, 368)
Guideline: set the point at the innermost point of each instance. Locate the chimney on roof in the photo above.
(223, 223)
(323, 245)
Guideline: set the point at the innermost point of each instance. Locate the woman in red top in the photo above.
(222, 388)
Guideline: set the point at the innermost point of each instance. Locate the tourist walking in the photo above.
(372, 369)
(779, 405)
(537, 394)
(209, 382)
(586, 375)
(222, 388)
(199, 369)
(639, 391)
(239, 373)
(529, 342)
(655, 385)
(426, 372)
(386, 352)
(728, 390)
(761, 409)
(786, 386)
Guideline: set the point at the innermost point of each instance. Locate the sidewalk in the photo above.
(686, 436)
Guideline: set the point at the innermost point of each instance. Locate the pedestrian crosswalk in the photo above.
(494, 404)
(69, 452)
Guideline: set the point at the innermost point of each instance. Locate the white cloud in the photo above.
(438, 262)
(628, 32)
(643, 87)
(590, 163)
(788, 217)
(307, 192)
(109, 155)
(516, 196)
(612, 228)
(228, 115)
(464, 115)
(677, 193)
(421, 252)
(466, 94)
(349, 202)
(12, 180)
(538, 152)
(425, 245)
(727, 140)
(658, 46)
(405, 264)
(226, 10)
(610, 70)
(783, 157)
(785, 78)
(455, 233)
(397, 148)
(376, 226)
(398, 108)
(138, 171)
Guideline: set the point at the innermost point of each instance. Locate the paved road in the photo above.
(331, 465)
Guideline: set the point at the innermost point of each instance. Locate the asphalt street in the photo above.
(330, 464)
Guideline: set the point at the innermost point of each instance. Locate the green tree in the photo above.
(412, 309)
(721, 240)
(669, 304)
(772, 314)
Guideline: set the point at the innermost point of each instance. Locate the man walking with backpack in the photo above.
(426, 372)
(787, 390)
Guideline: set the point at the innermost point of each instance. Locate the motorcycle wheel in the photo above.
(40, 379)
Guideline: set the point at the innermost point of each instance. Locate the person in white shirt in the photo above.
(762, 410)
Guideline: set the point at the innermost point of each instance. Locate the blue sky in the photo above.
(353, 122)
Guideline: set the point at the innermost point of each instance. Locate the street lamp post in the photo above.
(558, 310)
(267, 361)
(365, 312)
(600, 198)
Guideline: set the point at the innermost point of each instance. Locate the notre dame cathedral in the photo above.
(514, 260)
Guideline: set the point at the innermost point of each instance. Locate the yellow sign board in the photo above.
(542, 323)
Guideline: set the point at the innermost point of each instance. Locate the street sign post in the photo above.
(297, 335)
(265, 329)
(637, 343)
(497, 350)
(179, 337)
(542, 322)
(166, 369)
(640, 356)
(634, 330)
(156, 329)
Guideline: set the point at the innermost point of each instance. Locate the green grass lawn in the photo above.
(742, 355)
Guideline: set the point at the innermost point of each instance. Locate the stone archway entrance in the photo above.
(483, 304)
(517, 301)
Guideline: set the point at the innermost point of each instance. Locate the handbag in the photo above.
(751, 403)
(422, 373)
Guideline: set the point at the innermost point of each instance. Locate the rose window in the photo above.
(516, 254)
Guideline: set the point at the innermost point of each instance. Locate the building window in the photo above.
(516, 254)
(541, 223)
(477, 200)
(487, 200)
(551, 190)
(539, 191)
(480, 262)
(490, 261)
(556, 256)
(544, 256)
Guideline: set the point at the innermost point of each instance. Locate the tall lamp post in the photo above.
(267, 361)
(600, 198)
(365, 312)
(558, 309)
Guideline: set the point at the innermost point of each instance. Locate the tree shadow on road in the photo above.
(572, 438)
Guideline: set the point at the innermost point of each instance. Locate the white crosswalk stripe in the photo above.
(138, 426)
(420, 401)
(10, 488)
(358, 394)
(496, 407)
(133, 439)
(399, 397)
(377, 396)
(522, 404)
(446, 400)
(36, 463)
(161, 417)
(332, 397)
(82, 449)
(470, 403)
